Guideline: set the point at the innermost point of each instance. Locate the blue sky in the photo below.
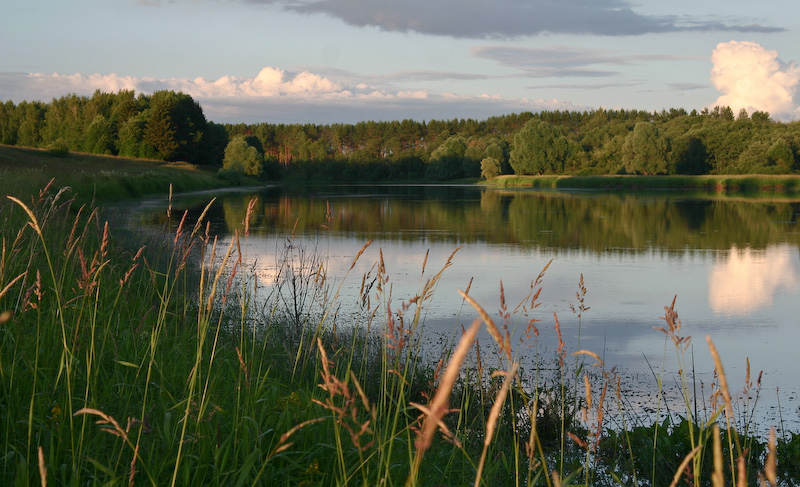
(328, 61)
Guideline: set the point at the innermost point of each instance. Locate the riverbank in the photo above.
(120, 367)
(25, 171)
(720, 184)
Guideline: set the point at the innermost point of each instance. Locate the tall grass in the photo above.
(171, 364)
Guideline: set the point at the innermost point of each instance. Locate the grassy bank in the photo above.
(718, 184)
(172, 365)
(99, 178)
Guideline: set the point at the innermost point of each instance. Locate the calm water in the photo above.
(733, 264)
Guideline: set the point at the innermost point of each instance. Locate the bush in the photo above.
(58, 148)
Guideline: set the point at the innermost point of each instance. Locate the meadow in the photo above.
(136, 359)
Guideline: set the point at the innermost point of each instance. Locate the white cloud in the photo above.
(749, 279)
(276, 95)
(753, 78)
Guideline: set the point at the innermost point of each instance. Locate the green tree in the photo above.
(644, 151)
(178, 125)
(454, 147)
(100, 137)
(242, 157)
(692, 156)
(131, 138)
(781, 156)
(9, 123)
(539, 148)
(447, 160)
(215, 139)
(65, 121)
(159, 133)
(32, 119)
(490, 168)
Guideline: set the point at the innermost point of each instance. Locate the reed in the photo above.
(167, 362)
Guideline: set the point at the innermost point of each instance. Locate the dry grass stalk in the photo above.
(494, 416)
(677, 477)
(202, 217)
(556, 479)
(282, 442)
(588, 386)
(347, 413)
(42, 468)
(494, 331)
(438, 407)
(673, 328)
(581, 297)
(562, 347)
(600, 417)
(363, 248)
(220, 271)
(362, 394)
(132, 475)
(717, 476)
(598, 361)
(250, 206)
(741, 478)
(116, 430)
(577, 440)
(179, 230)
(770, 468)
(13, 281)
(34, 223)
(469, 285)
(243, 367)
(105, 420)
(723, 381)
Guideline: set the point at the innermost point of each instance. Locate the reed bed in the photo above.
(168, 363)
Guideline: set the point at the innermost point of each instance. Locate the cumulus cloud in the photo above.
(754, 78)
(276, 95)
(507, 18)
(748, 279)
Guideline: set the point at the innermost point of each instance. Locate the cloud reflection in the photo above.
(749, 279)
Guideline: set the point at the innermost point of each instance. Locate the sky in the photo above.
(345, 61)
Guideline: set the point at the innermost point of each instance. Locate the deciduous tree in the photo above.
(644, 151)
(539, 148)
(243, 157)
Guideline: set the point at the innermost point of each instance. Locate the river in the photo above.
(732, 265)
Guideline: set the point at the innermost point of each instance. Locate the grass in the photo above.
(717, 184)
(167, 363)
(101, 178)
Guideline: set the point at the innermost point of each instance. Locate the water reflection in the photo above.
(592, 222)
(734, 264)
(747, 280)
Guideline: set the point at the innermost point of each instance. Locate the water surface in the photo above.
(734, 265)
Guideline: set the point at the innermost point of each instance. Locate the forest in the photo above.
(171, 126)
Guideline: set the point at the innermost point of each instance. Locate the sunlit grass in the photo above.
(95, 178)
(718, 184)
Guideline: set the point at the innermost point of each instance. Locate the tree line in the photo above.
(171, 126)
(166, 126)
